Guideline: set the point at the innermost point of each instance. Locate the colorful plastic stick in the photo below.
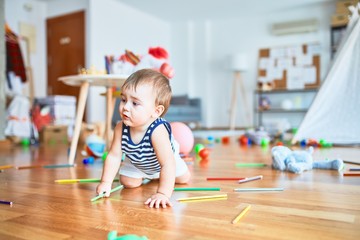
(6, 167)
(202, 198)
(257, 189)
(250, 179)
(196, 189)
(85, 180)
(250, 164)
(243, 212)
(224, 178)
(103, 194)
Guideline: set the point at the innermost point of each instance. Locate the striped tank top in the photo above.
(142, 155)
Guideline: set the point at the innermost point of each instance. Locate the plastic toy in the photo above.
(285, 159)
(157, 58)
(312, 142)
(265, 142)
(264, 103)
(89, 160)
(204, 153)
(103, 157)
(303, 143)
(198, 147)
(259, 136)
(324, 144)
(113, 236)
(243, 140)
(25, 142)
(265, 86)
(95, 146)
(225, 140)
(184, 136)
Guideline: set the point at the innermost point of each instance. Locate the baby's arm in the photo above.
(112, 163)
(162, 147)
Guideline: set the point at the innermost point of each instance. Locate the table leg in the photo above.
(84, 89)
(109, 113)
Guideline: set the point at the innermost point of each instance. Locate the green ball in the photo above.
(25, 142)
(103, 157)
(198, 147)
(264, 142)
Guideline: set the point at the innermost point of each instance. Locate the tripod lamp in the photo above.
(238, 64)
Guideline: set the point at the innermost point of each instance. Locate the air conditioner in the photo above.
(294, 27)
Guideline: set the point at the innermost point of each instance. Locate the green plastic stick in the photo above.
(90, 180)
(59, 166)
(103, 194)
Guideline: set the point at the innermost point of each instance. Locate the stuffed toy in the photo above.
(157, 58)
(301, 160)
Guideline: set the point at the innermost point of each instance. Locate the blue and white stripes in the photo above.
(142, 155)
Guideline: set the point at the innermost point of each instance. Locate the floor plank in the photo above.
(314, 204)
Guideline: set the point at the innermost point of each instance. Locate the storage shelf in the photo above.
(280, 110)
(296, 113)
(277, 91)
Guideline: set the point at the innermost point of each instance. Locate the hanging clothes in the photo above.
(14, 58)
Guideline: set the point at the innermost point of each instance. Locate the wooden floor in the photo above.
(319, 204)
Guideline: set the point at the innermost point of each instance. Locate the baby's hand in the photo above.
(104, 188)
(158, 199)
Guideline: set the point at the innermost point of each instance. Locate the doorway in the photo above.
(65, 51)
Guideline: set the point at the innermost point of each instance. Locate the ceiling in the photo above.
(183, 10)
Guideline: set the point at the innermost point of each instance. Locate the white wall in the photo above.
(212, 42)
(16, 13)
(199, 50)
(56, 8)
(35, 13)
(114, 27)
(111, 27)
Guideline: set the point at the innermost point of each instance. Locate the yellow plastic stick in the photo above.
(202, 197)
(243, 212)
(204, 200)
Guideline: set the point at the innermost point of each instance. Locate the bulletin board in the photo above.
(290, 67)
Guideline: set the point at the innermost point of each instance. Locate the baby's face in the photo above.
(137, 107)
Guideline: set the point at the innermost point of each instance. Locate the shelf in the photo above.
(276, 91)
(280, 110)
(300, 99)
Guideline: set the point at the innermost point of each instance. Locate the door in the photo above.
(65, 51)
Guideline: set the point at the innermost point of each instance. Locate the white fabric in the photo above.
(335, 112)
(18, 114)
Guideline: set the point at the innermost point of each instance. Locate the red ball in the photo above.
(167, 70)
(243, 140)
(204, 153)
(225, 140)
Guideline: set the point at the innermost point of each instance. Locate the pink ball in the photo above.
(184, 136)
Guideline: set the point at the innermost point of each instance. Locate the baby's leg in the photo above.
(129, 182)
(183, 179)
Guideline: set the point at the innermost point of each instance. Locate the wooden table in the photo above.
(84, 81)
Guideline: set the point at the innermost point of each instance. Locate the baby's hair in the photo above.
(159, 82)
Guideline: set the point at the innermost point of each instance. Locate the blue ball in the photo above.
(89, 160)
